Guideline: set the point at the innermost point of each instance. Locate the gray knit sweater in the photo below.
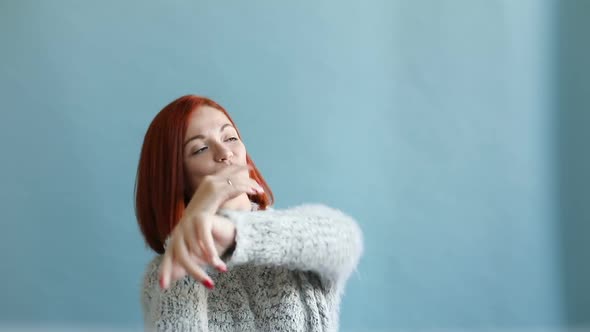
(287, 273)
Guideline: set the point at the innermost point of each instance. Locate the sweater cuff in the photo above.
(244, 236)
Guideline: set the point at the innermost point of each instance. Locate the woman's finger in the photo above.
(192, 268)
(196, 257)
(202, 243)
(255, 185)
(166, 269)
(178, 272)
(237, 185)
(192, 235)
(210, 254)
(231, 170)
(249, 186)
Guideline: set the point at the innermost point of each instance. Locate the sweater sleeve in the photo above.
(178, 308)
(307, 238)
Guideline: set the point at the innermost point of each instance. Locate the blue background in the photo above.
(455, 132)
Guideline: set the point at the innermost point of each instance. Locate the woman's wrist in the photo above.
(224, 234)
(199, 205)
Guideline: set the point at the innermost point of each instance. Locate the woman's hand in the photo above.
(192, 243)
(223, 232)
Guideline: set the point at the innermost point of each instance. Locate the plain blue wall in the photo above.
(573, 118)
(431, 122)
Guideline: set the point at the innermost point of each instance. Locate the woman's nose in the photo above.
(223, 154)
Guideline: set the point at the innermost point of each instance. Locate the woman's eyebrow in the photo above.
(203, 137)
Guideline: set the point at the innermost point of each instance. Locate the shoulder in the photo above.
(152, 267)
(151, 275)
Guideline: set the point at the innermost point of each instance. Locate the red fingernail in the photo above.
(162, 284)
(208, 284)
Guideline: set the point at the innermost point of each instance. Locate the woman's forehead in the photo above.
(206, 118)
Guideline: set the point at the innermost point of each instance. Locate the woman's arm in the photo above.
(307, 238)
(191, 245)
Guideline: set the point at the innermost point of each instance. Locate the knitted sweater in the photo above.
(287, 273)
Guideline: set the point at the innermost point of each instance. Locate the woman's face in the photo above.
(210, 144)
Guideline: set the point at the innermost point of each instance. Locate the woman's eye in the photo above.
(200, 150)
(232, 139)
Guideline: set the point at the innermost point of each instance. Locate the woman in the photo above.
(228, 261)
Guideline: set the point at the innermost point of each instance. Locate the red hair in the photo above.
(161, 184)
